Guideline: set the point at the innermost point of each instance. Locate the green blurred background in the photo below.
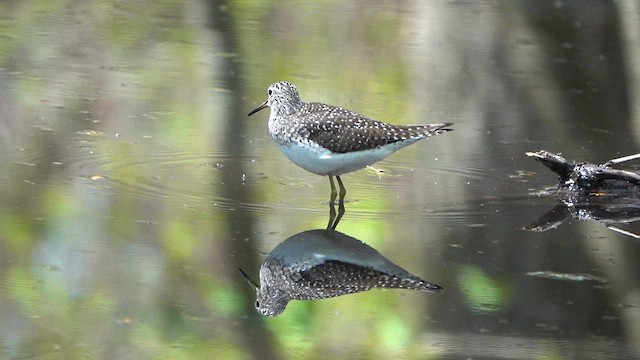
(132, 184)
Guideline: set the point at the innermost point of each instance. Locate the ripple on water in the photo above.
(146, 170)
(400, 186)
(198, 181)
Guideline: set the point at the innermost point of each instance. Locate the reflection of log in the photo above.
(550, 220)
(600, 213)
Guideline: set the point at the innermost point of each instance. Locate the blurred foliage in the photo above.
(115, 212)
(483, 293)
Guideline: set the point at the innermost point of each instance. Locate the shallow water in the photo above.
(133, 185)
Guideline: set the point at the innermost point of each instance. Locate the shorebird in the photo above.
(329, 140)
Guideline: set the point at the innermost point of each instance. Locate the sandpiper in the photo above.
(329, 140)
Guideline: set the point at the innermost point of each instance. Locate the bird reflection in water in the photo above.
(324, 263)
(591, 192)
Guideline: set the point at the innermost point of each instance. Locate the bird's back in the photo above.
(341, 131)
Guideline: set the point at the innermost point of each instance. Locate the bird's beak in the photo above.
(264, 105)
(246, 277)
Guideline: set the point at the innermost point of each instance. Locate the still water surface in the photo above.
(133, 185)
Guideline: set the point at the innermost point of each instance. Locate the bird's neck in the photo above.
(289, 108)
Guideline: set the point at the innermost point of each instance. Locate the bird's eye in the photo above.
(257, 304)
(270, 91)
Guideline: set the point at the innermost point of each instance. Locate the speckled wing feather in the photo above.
(343, 131)
(335, 278)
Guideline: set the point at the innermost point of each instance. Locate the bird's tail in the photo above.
(426, 130)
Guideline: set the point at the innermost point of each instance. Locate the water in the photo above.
(133, 185)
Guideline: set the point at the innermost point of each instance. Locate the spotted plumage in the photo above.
(320, 264)
(329, 140)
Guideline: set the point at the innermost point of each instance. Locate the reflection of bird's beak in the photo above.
(246, 277)
(264, 105)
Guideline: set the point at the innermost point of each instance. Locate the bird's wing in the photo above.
(336, 277)
(340, 130)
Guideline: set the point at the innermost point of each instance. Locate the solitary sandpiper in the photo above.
(329, 140)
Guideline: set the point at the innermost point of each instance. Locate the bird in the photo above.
(324, 263)
(331, 141)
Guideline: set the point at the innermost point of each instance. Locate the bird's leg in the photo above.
(332, 201)
(343, 191)
(332, 216)
(341, 212)
(334, 193)
(333, 219)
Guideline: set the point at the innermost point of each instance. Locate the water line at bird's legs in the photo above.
(334, 192)
(333, 218)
